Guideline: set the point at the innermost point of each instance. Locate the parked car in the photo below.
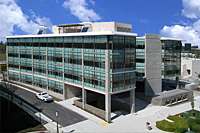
(44, 96)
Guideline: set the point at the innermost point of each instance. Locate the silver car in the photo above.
(44, 96)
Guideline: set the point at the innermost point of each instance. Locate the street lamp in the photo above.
(57, 121)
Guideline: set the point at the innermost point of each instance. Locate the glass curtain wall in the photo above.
(140, 57)
(171, 59)
(61, 58)
(122, 62)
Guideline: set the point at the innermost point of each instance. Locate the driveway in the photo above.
(65, 117)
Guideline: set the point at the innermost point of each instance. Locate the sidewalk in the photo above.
(69, 104)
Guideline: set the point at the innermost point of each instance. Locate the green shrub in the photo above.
(181, 124)
(195, 127)
(191, 112)
(181, 130)
(165, 126)
(179, 121)
(174, 117)
(197, 120)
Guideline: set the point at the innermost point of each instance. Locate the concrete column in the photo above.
(32, 65)
(107, 86)
(64, 91)
(84, 98)
(108, 107)
(19, 64)
(63, 65)
(132, 101)
(7, 47)
(46, 61)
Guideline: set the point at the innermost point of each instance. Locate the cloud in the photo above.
(190, 32)
(92, 2)
(80, 9)
(191, 8)
(186, 33)
(11, 16)
(44, 21)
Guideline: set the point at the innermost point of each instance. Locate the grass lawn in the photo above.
(181, 122)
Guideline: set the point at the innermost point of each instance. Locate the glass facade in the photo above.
(140, 57)
(51, 61)
(122, 62)
(171, 56)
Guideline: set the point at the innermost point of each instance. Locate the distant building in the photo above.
(189, 51)
(188, 47)
(190, 69)
(186, 50)
(195, 46)
(190, 63)
(195, 53)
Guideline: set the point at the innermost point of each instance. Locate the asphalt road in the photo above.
(66, 117)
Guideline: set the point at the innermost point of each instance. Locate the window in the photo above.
(188, 71)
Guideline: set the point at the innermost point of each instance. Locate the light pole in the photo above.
(57, 121)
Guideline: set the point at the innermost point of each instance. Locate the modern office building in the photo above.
(156, 59)
(94, 57)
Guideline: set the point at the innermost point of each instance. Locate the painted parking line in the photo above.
(103, 123)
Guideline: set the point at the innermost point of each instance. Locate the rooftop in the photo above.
(170, 38)
(75, 34)
(162, 38)
(171, 93)
(69, 25)
(86, 29)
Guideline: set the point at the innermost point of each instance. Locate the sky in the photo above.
(171, 18)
